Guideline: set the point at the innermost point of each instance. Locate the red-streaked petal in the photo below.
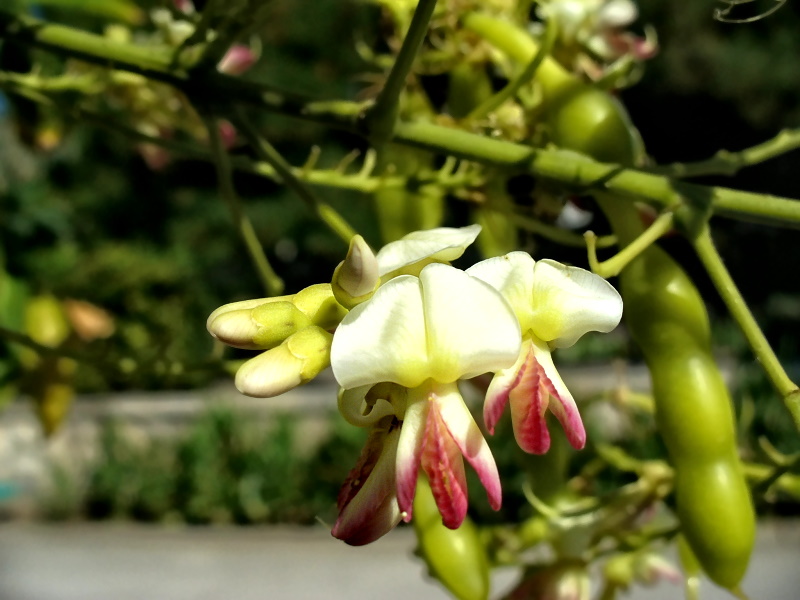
(563, 404)
(441, 460)
(468, 437)
(367, 501)
(497, 394)
(408, 452)
(529, 401)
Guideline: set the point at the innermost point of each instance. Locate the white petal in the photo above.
(383, 339)
(242, 305)
(569, 302)
(471, 329)
(512, 276)
(385, 399)
(353, 407)
(270, 374)
(442, 244)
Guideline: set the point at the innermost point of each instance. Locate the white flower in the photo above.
(398, 358)
(555, 305)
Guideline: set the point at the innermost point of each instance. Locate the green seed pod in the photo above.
(456, 557)
(668, 320)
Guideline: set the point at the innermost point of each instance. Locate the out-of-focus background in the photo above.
(140, 251)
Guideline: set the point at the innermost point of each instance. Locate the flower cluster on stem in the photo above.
(400, 330)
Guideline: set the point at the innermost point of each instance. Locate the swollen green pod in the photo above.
(456, 557)
(667, 318)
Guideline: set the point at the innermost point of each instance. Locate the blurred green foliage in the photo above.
(225, 468)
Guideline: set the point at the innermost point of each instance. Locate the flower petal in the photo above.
(512, 276)
(470, 328)
(270, 374)
(243, 307)
(442, 462)
(529, 398)
(367, 502)
(383, 339)
(469, 439)
(562, 404)
(443, 244)
(499, 388)
(569, 302)
(409, 450)
(356, 411)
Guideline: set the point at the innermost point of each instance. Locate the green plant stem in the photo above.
(521, 47)
(726, 287)
(149, 61)
(270, 155)
(568, 168)
(774, 477)
(380, 119)
(614, 265)
(555, 234)
(273, 284)
(725, 162)
(495, 101)
(360, 181)
(581, 173)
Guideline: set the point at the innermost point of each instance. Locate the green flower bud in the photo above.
(356, 278)
(318, 304)
(276, 321)
(264, 326)
(300, 358)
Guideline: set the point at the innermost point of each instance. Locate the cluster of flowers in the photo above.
(400, 329)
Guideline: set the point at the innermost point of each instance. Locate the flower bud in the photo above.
(262, 327)
(300, 358)
(45, 321)
(46, 324)
(565, 580)
(237, 60)
(643, 567)
(651, 568)
(185, 6)
(319, 304)
(356, 278)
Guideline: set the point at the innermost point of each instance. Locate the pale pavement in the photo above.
(130, 562)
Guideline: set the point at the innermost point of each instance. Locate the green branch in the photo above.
(614, 265)
(381, 118)
(567, 168)
(269, 278)
(556, 234)
(725, 162)
(270, 155)
(509, 91)
(726, 287)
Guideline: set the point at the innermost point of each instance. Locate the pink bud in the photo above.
(237, 60)
(185, 6)
(228, 134)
